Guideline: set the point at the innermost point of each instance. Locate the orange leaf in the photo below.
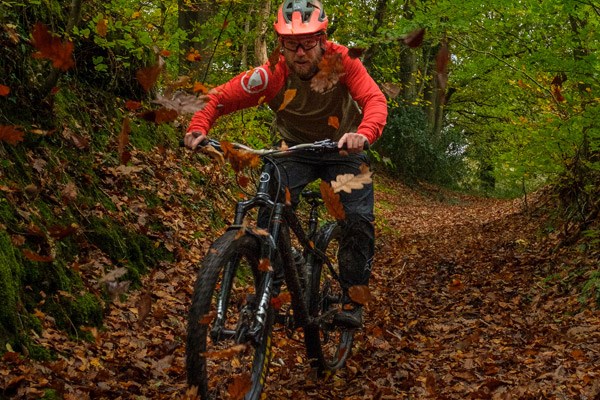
(360, 294)
(239, 159)
(243, 181)
(239, 387)
(52, 48)
(4, 90)
(288, 96)
(147, 76)
(207, 318)
(30, 255)
(226, 353)
(164, 115)
(102, 27)
(441, 65)
(279, 301)
(288, 197)
(274, 58)
(334, 122)
(199, 87)
(10, 134)
(124, 155)
(332, 201)
(331, 68)
(132, 105)
(193, 56)
(264, 265)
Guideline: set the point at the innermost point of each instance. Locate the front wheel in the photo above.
(328, 345)
(227, 352)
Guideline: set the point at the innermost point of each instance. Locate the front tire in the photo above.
(221, 361)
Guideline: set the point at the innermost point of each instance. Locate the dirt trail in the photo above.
(461, 312)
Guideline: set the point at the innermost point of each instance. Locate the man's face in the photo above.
(303, 54)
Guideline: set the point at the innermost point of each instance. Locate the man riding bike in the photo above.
(317, 91)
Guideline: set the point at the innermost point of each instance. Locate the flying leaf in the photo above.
(264, 265)
(360, 294)
(10, 134)
(102, 27)
(200, 87)
(124, 155)
(332, 201)
(441, 64)
(288, 96)
(356, 52)
(147, 76)
(331, 69)
(52, 48)
(182, 102)
(133, 105)
(333, 121)
(391, 89)
(415, 38)
(225, 353)
(557, 93)
(4, 90)
(288, 197)
(274, 58)
(279, 301)
(239, 159)
(348, 182)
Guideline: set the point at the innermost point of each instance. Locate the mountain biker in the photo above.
(317, 91)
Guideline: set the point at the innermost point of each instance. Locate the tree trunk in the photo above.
(191, 18)
(262, 29)
(379, 16)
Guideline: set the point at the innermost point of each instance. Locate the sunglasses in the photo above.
(306, 43)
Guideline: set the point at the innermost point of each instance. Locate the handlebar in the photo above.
(322, 146)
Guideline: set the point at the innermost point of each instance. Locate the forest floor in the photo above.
(469, 303)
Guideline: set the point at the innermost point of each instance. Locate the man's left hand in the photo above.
(354, 142)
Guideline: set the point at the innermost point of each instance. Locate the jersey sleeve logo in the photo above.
(255, 80)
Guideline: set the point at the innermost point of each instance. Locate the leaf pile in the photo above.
(459, 306)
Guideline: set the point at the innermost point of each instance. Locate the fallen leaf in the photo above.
(10, 134)
(124, 155)
(360, 294)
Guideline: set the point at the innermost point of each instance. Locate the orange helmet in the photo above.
(300, 17)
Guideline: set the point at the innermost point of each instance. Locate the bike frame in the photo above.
(282, 220)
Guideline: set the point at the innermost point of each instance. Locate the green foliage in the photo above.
(415, 153)
(11, 272)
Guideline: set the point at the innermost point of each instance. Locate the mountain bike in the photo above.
(235, 301)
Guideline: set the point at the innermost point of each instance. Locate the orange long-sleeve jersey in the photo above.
(352, 104)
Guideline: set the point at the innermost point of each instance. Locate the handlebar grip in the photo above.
(203, 143)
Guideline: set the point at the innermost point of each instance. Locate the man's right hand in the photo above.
(193, 138)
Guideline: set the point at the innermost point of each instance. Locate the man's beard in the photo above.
(304, 71)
